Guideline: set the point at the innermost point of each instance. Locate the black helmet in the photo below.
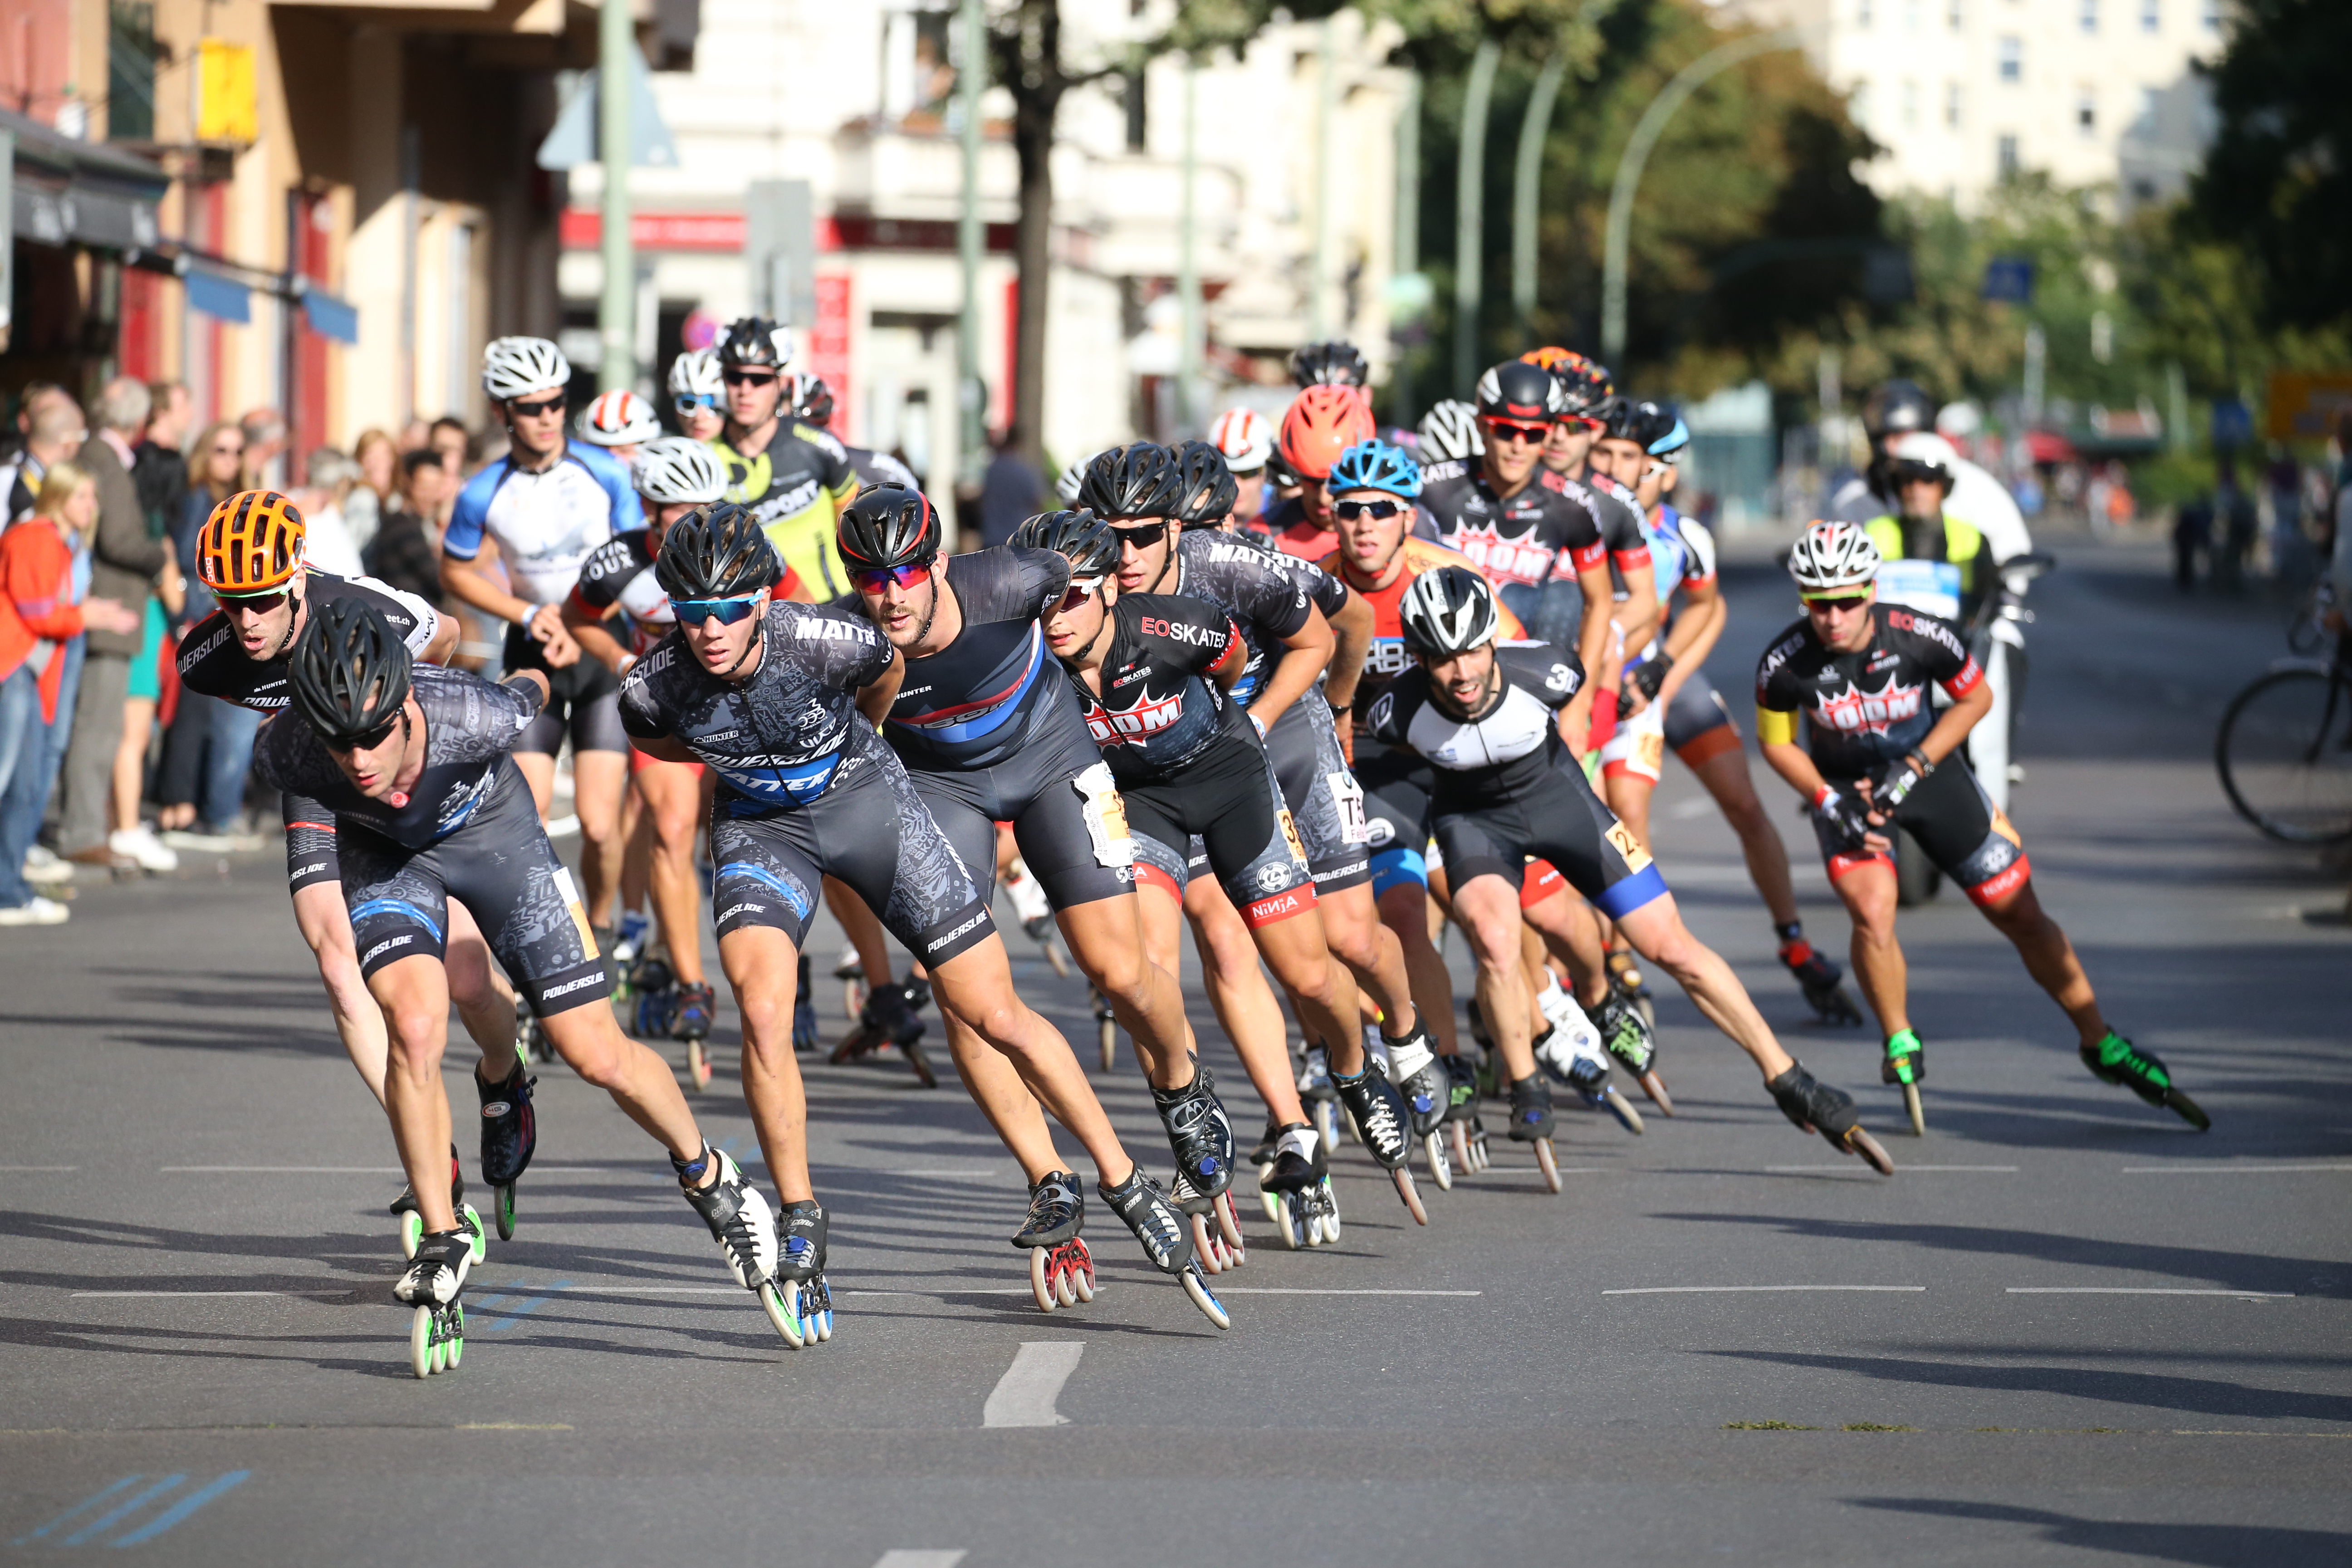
(885, 526)
(1896, 408)
(1335, 363)
(812, 399)
(716, 551)
(756, 340)
(1623, 419)
(1517, 390)
(1209, 488)
(1584, 389)
(1085, 540)
(1450, 610)
(349, 672)
(1135, 481)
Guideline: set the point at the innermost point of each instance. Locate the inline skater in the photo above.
(249, 555)
(1673, 706)
(780, 702)
(1485, 713)
(698, 397)
(1322, 423)
(1153, 672)
(1872, 760)
(989, 731)
(547, 505)
(810, 400)
(1246, 440)
(430, 813)
(1336, 363)
(793, 475)
(1928, 559)
(621, 423)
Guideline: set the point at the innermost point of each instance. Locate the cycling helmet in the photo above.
(1375, 466)
(1244, 438)
(1894, 407)
(349, 672)
(673, 469)
(758, 342)
(696, 373)
(808, 397)
(717, 552)
(1068, 484)
(251, 544)
(1555, 359)
(1322, 423)
(1926, 452)
(1086, 541)
(1135, 481)
(619, 419)
(1585, 390)
(1834, 555)
(1448, 611)
(1517, 390)
(1450, 429)
(517, 367)
(1208, 487)
(1664, 435)
(1335, 363)
(885, 526)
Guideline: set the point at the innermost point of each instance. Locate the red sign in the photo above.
(582, 228)
(828, 350)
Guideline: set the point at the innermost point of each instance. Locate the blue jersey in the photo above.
(546, 524)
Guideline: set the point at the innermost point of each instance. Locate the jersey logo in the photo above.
(829, 631)
(1504, 560)
(1179, 631)
(1853, 711)
(1136, 725)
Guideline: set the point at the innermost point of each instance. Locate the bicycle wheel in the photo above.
(2285, 753)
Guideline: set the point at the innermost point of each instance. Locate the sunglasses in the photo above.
(695, 402)
(877, 581)
(1141, 535)
(369, 742)
(1377, 511)
(545, 406)
(1080, 591)
(253, 604)
(237, 451)
(1504, 430)
(1843, 603)
(745, 378)
(726, 612)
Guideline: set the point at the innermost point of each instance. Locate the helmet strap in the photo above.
(758, 632)
(293, 621)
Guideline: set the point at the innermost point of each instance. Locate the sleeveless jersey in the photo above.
(545, 524)
(993, 689)
(213, 663)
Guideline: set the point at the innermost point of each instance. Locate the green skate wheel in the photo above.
(471, 1222)
(779, 1312)
(503, 1209)
(457, 1335)
(412, 1231)
(1918, 1111)
(420, 1342)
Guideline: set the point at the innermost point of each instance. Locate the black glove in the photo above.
(1844, 816)
(1650, 674)
(1901, 779)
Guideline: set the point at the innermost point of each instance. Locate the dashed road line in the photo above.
(181, 1510)
(2227, 1170)
(1738, 1289)
(1025, 1395)
(901, 1557)
(2143, 1290)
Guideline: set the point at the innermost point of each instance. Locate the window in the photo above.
(1910, 104)
(130, 72)
(2086, 113)
(2005, 158)
(2013, 59)
(1952, 104)
(2088, 17)
(2151, 16)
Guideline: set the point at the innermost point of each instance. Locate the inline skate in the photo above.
(1380, 1119)
(510, 1136)
(1296, 1181)
(435, 1274)
(412, 1221)
(1167, 1239)
(1061, 1269)
(798, 1299)
(2115, 1060)
(1819, 1108)
(1531, 1122)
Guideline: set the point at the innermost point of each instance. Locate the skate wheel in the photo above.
(1272, 1204)
(1327, 1122)
(1409, 1194)
(1065, 1292)
(1209, 1263)
(1461, 1134)
(1041, 1283)
(1109, 1043)
(1623, 1109)
(1054, 956)
(1548, 1164)
(921, 1064)
(456, 1334)
(1229, 1220)
(2188, 1109)
(420, 1342)
(1440, 1168)
(478, 1240)
(1082, 1269)
(502, 1209)
(1205, 1299)
(779, 1301)
(852, 996)
(1655, 1088)
(1330, 1213)
(412, 1231)
(697, 1064)
(1858, 1142)
(817, 1308)
(1918, 1111)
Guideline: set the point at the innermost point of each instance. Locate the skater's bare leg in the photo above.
(763, 967)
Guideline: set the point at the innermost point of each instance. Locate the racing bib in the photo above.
(1622, 838)
(1349, 796)
(1933, 586)
(1106, 816)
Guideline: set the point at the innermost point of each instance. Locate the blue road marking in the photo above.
(87, 1502)
(181, 1510)
(115, 1516)
(516, 1313)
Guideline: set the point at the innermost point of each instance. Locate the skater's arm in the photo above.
(1309, 652)
(1953, 728)
(588, 629)
(1694, 635)
(873, 700)
(1351, 640)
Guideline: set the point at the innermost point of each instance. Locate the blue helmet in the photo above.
(1674, 438)
(1375, 466)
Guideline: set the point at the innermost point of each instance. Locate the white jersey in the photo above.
(1976, 498)
(546, 524)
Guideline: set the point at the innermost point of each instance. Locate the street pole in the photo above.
(971, 81)
(616, 309)
(1188, 265)
(1526, 189)
(1408, 240)
(1470, 214)
(1318, 318)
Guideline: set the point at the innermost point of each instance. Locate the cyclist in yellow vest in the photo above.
(1933, 562)
(793, 475)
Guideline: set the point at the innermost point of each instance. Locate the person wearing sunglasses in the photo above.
(991, 733)
(1877, 755)
(412, 761)
(547, 505)
(810, 402)
(698, 397)
(1321, 422)
(794, 475)
(1586, 402)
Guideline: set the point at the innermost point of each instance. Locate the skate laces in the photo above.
(2119, 1054)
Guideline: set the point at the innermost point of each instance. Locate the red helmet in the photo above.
(1322, 423)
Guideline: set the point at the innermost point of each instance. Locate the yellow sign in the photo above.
(2305, 404)
(225, 105)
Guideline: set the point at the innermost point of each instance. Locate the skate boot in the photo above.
(1531, 1122)
(1380, 1117)
(1413, 1068)
(798, 1299)
(629, 944)
(804, 1027)
(1818, 1107)
(1627, 1037)
(1262, 1154)
(1167, 1239)
(692, 1008)
(1580, 1064)
(1297, 1185)
(1821, 982)
(2116, 1061)
(510, 1135)
(412, 1219)
(1061, 1269)
(886, 1020)
(1906, 1064)
(1315, 1094)
(436, 1273)
(1198, 1131)
(654, 985)
(1469, 1135)
(1625, 979)
(738, 1216)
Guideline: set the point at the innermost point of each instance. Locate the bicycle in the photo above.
(2285, 750)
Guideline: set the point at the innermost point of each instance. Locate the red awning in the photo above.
(2044, 447)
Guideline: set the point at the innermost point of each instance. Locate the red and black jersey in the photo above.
(1615, 512)
(1521, 544)
(1863, 711)
(1158, 709)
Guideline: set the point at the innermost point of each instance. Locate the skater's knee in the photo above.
(413, 1035)
(600, 1062)
(767, 1015)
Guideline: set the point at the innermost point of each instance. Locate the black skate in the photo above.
(1413, 1068)
(1469, 1136)
(889, 1019)
(1061, 1269)
(1378, 1113)
(2116, 1061)
(1906, 1064)
(1626, 981)
(412, 1220)
(1167, 1239)
(1531, 1122)
(798, 1299)
(1818, 1107)
(1316, 1095)
(654, 984)
(510, 1135)
(1628, 1038)
(739, 1219)
(1199, 1133)
(692, 1009)
(1296, 1185)
(435, 1274)
(1822, 982)
(1263, 1153)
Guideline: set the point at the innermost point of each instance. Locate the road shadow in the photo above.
(2210, 1545)
(2139, 1390)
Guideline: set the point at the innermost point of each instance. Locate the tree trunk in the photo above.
(1033, 244)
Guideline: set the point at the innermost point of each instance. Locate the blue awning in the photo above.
(216, 296)
(330, 317)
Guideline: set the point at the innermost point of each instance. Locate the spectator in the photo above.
(210, 742)
(450, 438)
(406, 551)
(38, 620)
(2233, 528)
(54, 432)
(1010, 492)
(161, 471)
(377, 490)
(415, 436)
(125, 563)
(2193, 536)
(327, 541)
(29, 403)
(265, 445)
(57, 433)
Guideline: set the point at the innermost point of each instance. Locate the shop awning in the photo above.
(218, 297)
(64, 192)
(330, 317)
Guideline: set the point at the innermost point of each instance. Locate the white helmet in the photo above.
(1244, 438)
(674, 469)
(1073, 477)
(1834, 555)
(619, 418)
(1927, 448)
(517, 367)
(1448, 611)
(1450, 429)
(694, 373)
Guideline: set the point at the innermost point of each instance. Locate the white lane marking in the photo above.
(123, 1295)
(19, 1169)
(1025, 1395)
(281, 1169)
(2226, 1169)
(1719, 1290)
(1682, 811)
(2141, 1291)
(1285, 1291)
(1850, 1171)
(901, 1557)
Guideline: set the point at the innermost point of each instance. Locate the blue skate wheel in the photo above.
(816, 1307)
(779, 1307)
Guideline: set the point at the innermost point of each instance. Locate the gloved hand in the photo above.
(1848, 821)
(1650, 674)
(1901, 779)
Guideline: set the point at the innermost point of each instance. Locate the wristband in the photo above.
(1256, 722)
(1823, 796)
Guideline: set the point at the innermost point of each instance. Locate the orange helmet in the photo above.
(1322, 423)
(250, 544)
(1554, 359)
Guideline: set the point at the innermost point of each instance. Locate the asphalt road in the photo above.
(2069, 1330)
